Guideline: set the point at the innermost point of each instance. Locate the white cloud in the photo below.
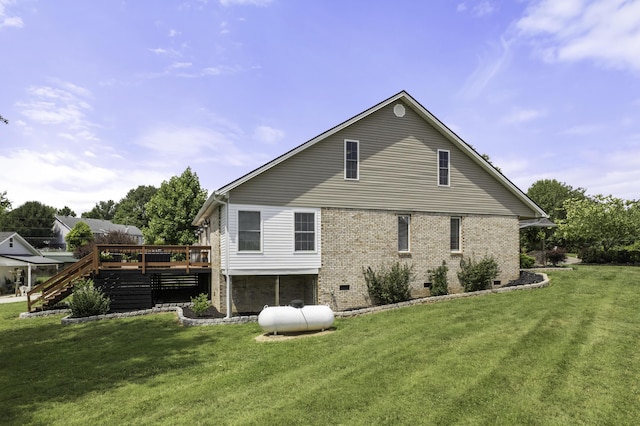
(245, 2)
(523, 115)
(174, 33)
(195, 144)
(180, 65)
(604, 31)
(63, 107)
(484, 8)
(268, 135)
(489, 66)
(13, 21)
(480, 9)
(165, 52)
(6, 20)
(582, 130)
(605, 172)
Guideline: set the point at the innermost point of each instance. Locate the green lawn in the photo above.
(565, 354)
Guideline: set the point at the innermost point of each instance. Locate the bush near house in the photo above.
(200, 304)
(526, 261)
(556, 255)
(438, 278)
(476, 276)
(389, 285)
(88, 300)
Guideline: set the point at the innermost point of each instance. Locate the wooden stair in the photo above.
(60, 286)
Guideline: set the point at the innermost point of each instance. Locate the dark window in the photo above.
(403, 232)
(455, 234)
(351, 159)
(443, 168)
(305, 231)
(248, 231)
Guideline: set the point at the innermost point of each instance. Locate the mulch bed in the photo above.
(211, 312)
(526, 277)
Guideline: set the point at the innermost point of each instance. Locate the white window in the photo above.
(305, 231)
(443, 168)
(455, 234)
(351, 159)
(404, 220)
(249, 231)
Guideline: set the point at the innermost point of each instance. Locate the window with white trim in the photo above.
(404, 221)
(351, 159)
(249, 231)
(305, 231)
(455, 234)
(443, 167)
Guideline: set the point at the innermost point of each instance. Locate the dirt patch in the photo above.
(288, 336)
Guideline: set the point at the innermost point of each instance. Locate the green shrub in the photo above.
(620, 255)
(88, 300)
(526, 261)
(556, 256)
(438, 278)
(200, 304)
(389, 285)
(476, 276)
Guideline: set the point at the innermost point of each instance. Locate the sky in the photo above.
(105, 95)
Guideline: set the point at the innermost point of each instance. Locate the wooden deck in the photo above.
(113, 257)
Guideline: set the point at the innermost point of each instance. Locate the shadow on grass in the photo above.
(43, 362)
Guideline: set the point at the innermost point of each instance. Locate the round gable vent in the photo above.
(398, 110)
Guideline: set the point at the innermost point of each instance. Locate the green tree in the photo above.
(602, 222)
(79, 236)
(172, 209)
(33, 221)
(66, 211)
(550, 195)
(113, 237)
(5, 204)
(131, 209)
(104, 210)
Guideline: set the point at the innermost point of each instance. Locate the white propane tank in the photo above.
(284, 319)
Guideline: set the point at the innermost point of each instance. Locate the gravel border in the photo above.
(190, 322)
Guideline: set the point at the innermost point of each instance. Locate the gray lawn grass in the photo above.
(565, 354)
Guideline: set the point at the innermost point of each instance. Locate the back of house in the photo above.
(392, 184)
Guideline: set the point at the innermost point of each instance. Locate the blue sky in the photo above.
(105, 95)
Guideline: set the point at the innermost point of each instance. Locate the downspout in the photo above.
(226, 261)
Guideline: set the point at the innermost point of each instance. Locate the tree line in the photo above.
(163, 214)
(599, 228)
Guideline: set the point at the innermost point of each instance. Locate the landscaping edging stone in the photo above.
(190, 322)
(435, 299)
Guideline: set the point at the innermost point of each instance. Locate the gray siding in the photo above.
(398, 171)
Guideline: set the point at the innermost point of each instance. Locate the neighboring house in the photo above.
(390, 184)
(63, 224)
(19, 259)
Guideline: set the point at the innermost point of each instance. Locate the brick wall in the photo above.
(355, 239)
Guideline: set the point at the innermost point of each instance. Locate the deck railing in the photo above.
(108, 256)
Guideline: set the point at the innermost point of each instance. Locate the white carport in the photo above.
(27, 262)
